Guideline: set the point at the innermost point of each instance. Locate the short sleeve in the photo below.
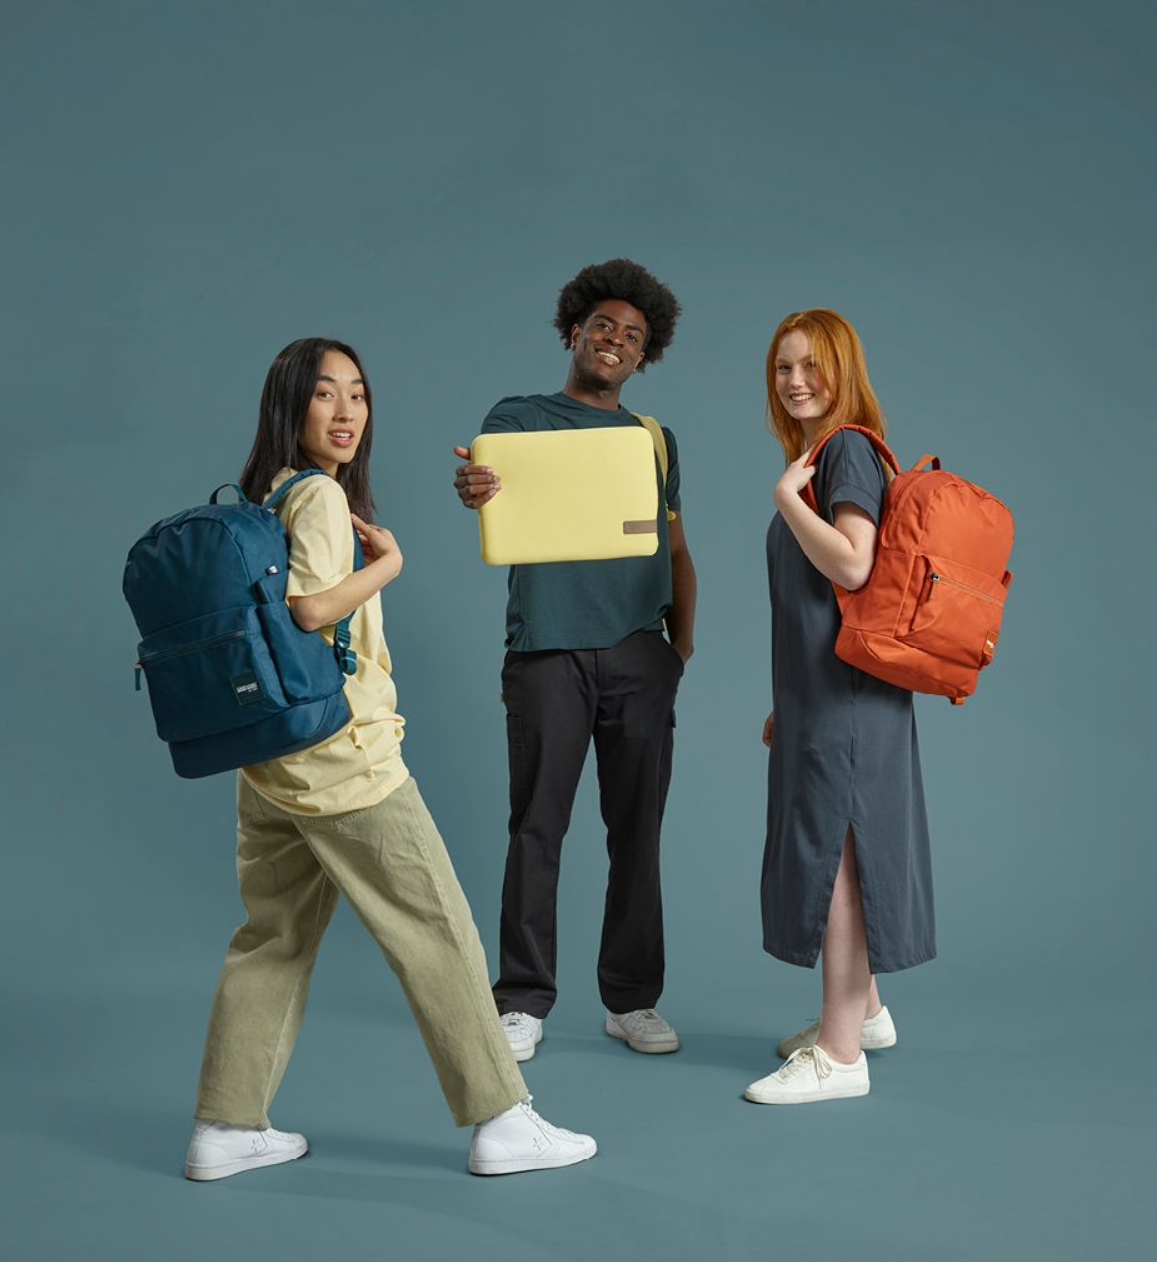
(850, 472)
(505, 416)
(321, 547)
(674, 502)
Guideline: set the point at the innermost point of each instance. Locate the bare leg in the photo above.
(847, 977)
(875, 1003)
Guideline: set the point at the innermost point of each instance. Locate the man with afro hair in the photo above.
(587, 659)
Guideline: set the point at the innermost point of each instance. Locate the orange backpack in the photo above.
(929, 616)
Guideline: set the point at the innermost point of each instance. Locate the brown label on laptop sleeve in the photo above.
(649, 527)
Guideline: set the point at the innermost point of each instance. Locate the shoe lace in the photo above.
(548, 1128)
(511, 1019)
(806, 1058)
(639, 1015)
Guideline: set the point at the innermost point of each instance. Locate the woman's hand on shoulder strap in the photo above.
(793, 480)
(769, 729)
(378, 544)
(383, 563)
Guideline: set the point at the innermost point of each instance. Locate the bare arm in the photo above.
(383, 565)
(844, 552)
(681, 615)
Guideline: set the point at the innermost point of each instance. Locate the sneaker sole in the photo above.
(807, 1097)
(648, 1049)
(206, 1174)
(515, 1166)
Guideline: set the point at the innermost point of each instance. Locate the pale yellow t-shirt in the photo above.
(362, 764)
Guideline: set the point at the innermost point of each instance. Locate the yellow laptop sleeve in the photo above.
(569, 495)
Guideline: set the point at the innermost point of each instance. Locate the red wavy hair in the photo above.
(839, 359)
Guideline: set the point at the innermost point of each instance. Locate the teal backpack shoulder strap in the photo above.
(346, 657)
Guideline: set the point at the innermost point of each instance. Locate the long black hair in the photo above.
(289, 387)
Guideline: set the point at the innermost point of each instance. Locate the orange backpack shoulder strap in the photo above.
(885, 452)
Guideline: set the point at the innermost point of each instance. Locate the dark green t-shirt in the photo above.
(584, 604)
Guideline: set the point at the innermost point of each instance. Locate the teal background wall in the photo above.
(189, 187)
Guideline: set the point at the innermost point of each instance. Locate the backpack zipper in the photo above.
(964, 587)
(181, 649)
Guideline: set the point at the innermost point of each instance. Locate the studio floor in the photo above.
(1020, 1146)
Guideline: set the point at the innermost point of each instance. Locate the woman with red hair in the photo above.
(846, 872)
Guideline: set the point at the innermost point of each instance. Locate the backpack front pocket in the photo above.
(304, 661)
(210, 674)
(958, 612)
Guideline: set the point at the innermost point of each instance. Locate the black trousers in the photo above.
(556, 701)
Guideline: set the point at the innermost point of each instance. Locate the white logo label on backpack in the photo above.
(246, 688)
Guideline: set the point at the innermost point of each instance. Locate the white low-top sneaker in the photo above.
(520, 1140)
(643, 1030)
(876, 1032)
(523, 1033)
(217, 1150)
(810, 1075)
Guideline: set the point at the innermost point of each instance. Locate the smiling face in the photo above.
(801, 389)
(338, 413)
(608, 346)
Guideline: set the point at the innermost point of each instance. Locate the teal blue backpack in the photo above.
(233, 680)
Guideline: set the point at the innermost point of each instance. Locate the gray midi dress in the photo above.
(843, 756)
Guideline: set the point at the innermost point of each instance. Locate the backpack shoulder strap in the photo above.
(271, 502)
(653, 428)
(346, 657)
(808, 494)
(882, 449)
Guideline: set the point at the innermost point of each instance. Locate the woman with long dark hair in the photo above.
(846, 872)
(344, 818)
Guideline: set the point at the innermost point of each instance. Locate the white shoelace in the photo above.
(639, 1015)
(548, 1128)
(807, 1058)
(528, 1109)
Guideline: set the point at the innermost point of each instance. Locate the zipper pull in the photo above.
(933, 579)
(137, 674)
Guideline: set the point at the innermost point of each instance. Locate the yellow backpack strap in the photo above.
(653, 428)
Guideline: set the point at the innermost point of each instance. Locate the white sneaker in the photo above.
(217, 1150)
(810, 1075)
(523, 1033)
(643, 1030)
(875, 1033)
(521, 1140)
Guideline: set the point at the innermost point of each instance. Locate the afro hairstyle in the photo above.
(628, 282)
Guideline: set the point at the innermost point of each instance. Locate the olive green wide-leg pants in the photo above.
(390, 863)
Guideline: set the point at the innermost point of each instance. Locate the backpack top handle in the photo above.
(241, 497)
